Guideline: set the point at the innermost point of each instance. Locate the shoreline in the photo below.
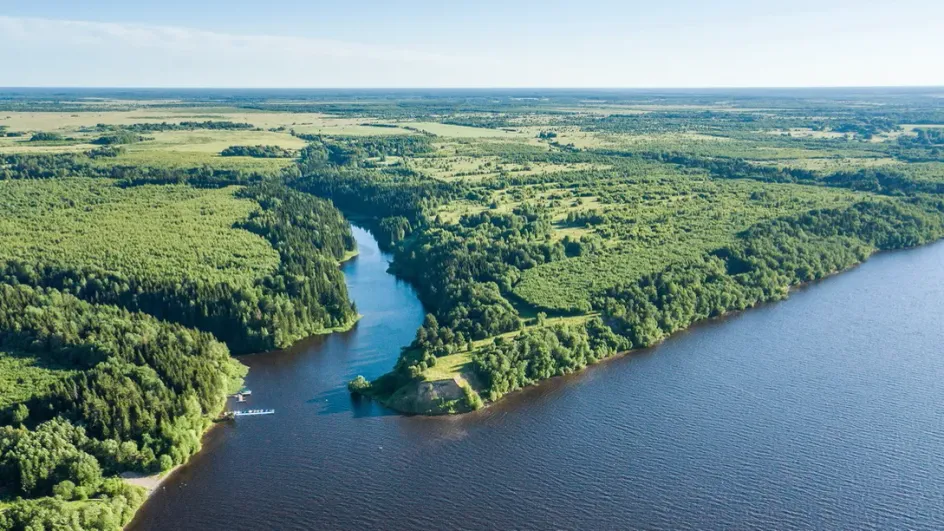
(387, 401)
(152, 482)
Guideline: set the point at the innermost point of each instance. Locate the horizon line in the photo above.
(714, 87)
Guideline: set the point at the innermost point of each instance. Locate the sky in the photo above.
(484, 43)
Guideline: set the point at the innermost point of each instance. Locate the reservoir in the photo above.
(822, 411)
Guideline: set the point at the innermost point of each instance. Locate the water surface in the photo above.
(822, 411)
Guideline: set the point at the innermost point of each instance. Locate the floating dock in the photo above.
(253, 412)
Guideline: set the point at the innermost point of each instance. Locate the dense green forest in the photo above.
(117, 305)
(128, 393)
(144, 242)
(133, 247)
(124, 290)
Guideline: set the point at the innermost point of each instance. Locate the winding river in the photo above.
(822, 411)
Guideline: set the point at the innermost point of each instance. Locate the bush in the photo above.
(165, 462)
(45, 137)
(64, 489)
(359, 386)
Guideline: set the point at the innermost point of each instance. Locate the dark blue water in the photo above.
(820, 412)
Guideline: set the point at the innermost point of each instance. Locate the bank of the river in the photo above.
(452, 387)
(399, 302)
(817, 411)
(151, 483)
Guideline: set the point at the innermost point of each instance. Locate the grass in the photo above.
(834, 164)
(449, 367)
(160, 231)
(470, 169)
(71, 121)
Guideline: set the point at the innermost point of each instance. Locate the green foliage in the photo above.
(119, 138)
(763, 264)
(643, 225)
(135, 248)
(110, 511)
(260, 152)
(23, 376)
(139, 388)
(540, 353)
(43, 136)
(332, 171)
(359, 386)
(110, 164)
(136, 373)
(181, 126)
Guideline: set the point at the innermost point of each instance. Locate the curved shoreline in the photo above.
(151, 483)
(422, 392)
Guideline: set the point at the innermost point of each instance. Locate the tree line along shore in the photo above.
(138, 255)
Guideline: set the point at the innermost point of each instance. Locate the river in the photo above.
(822, 411)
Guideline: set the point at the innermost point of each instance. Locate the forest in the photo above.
(144, 243)
(125, 292)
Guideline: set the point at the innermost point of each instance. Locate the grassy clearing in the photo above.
(449, 367)
(195, 159)
(23, 145)
(800, 132)
(164, 231)
(347, 127)
(468, 168)
(458, 366)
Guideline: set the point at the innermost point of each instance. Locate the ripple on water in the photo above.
(823, 411)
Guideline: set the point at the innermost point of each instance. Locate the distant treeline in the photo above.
(260, 152)
(181, 126)
(882, 180)
(55, 166)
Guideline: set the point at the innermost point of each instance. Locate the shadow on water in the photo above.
(340, 401)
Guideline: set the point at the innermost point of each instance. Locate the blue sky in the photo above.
(488, 43)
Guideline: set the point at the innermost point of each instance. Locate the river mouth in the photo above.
(819, 411)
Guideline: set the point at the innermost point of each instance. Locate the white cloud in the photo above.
(832, 49)
(69, 52)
